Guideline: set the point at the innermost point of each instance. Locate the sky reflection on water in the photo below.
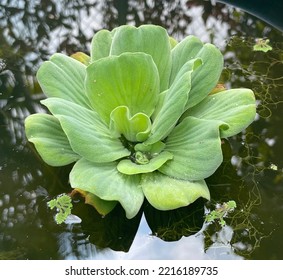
(148, 247)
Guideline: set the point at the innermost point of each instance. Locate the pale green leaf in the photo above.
(130, 79)
(46, 133)
(88, 135)
(129, 167)
(63, 77)
(205, 77)
(184, 51)
(196, 147)
(135, 128)
(167, 193)
(106, 182)
(159, 105)
(155, 148)
(174, 102)
(149, 39)
(100, 45)
(236, 107)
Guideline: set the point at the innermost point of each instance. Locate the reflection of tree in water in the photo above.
(30, 31)
(256, 154)
(244, 229)
(261, 71)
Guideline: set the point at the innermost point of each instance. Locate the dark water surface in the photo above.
(251, 174)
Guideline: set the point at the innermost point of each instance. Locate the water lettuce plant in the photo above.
(138, 118)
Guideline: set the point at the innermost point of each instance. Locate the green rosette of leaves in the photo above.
(137, 118)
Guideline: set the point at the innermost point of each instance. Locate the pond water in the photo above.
(251, 174)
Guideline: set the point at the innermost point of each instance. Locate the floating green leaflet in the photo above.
(63, 204)
(262, 45)
(221, 211)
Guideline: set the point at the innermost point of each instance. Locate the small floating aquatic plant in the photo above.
(220, 212)
(137, 118)
(63, 204)
(262, 45)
